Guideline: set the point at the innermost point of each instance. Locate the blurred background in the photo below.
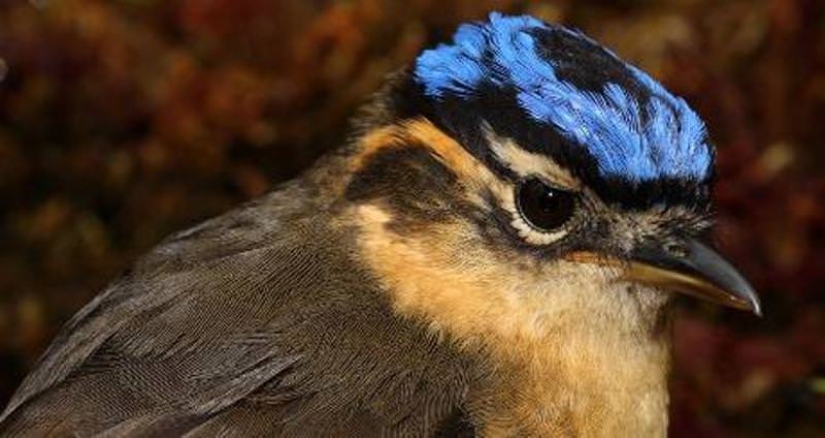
(124, 120)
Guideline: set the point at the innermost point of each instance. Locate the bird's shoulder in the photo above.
(261, 312)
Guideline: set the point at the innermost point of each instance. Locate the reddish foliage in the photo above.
(121, 121)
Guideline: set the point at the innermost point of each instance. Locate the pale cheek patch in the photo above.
(449, 276)
(443, 276)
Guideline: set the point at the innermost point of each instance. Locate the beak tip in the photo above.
(756, 308)
(749, 295)
(750, 301)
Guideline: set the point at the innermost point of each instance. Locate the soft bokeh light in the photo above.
(122, 121)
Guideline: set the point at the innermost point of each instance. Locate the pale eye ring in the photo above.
(542, 206)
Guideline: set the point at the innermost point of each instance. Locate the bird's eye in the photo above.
(543, 207)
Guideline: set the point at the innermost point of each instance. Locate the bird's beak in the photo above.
(694, 269)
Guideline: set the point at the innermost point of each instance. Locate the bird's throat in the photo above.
(576, 384)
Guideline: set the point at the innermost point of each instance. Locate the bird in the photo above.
(494, 250)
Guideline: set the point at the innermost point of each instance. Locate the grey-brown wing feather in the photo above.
(255, 323)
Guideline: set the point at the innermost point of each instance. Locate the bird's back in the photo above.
(257, 322)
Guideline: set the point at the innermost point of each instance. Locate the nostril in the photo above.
(676, 249)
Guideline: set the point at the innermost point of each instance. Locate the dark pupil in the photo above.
(544, 207)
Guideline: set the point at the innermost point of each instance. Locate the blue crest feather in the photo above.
(659, 138)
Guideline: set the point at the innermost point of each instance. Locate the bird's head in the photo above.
(524, 174)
